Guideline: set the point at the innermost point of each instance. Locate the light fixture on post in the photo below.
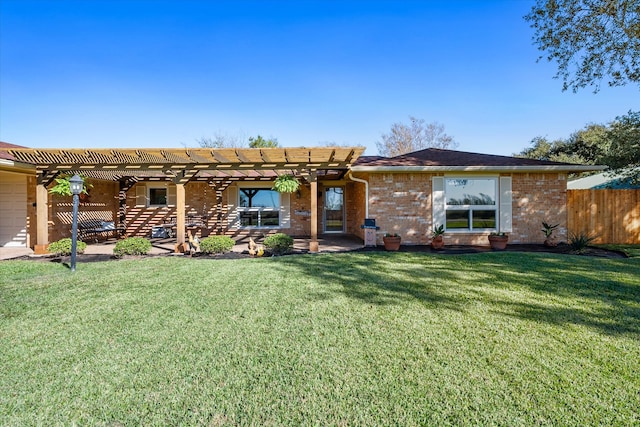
(75, 185)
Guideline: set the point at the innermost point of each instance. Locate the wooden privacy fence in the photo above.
(612, 215)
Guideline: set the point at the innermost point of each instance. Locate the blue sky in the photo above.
(125, 73)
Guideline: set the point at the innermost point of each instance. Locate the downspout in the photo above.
(366, 193)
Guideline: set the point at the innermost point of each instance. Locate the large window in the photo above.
(470, 203)
(259, 207)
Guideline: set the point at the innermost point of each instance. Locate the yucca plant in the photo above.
(578, 242)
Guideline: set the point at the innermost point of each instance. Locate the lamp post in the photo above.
(75, 185)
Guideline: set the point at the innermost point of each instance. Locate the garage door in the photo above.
(13, 210)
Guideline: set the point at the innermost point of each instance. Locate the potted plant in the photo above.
(391, 241)
(286, 184)
(547, 229)
(437, 240)
(498, 240)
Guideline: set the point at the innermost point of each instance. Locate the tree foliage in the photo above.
(616, 145)
(413, 137)
(624, 150)
(260, 142)
(224, 140)
(590, 40)
(63, 186)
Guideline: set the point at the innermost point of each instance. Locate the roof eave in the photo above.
(11, 166)
(541, 168)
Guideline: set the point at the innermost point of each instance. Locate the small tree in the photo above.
(260, 142)
(222, 140)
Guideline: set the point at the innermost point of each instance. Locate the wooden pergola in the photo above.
(218, 166)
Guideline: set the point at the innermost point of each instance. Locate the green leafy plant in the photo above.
(438, 231)
(279, 243)
(579, 242)
(391, 235)
(499, 234)
(286, 184)
(216, 244)
(132, 246)
(63, 188)
(63, 247)
(548, 229)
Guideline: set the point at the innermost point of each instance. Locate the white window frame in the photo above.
(470, 208)
(259, 210)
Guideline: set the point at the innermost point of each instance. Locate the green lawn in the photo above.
(632, 251)
(344, 339)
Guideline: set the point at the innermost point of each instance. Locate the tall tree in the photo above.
(624, 151)
(590, 40)
(415, 136)
(586, 146)
(616, 145)
(260, 142)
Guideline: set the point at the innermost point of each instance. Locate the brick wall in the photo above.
(102, 204)
(401, 203)
(538, 197)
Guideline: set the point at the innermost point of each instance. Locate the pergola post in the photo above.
(313, 243)
(42, 214)
(180, 217)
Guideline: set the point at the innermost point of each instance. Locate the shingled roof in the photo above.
(4, 154)
(435, 159)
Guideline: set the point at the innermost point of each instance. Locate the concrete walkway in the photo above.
(327, 243)
(10, 253)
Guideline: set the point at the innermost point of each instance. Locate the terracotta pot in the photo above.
(437, 243)
(498, 243)
(391, 243)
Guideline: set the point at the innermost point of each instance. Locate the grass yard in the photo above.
(343, 339)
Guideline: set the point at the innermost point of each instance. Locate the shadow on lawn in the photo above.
(538, 288)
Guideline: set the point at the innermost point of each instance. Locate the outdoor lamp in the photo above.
(75, 185)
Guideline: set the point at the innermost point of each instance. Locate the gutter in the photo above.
(366, 193)
(11, 166)
(544, 168)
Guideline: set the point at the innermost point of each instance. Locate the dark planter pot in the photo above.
(437, 243)
(498, 243)
(391, 243)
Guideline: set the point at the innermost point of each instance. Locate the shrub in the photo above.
(279, 243)
(63, 247)
(216, 244)
(132, 246)
(579, 242)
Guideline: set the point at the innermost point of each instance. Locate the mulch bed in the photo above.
(455, 250)
(447, 250)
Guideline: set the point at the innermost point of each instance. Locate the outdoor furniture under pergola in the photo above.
(219, 167)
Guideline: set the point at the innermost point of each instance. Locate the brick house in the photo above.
(229, 191)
